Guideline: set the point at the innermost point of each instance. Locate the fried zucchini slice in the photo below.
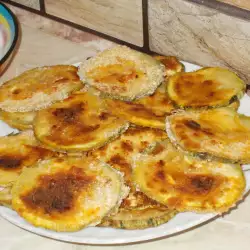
(221, 133)
(79, 123)
(150, 111)
(139, 219)
(19, 120)
(205, 88)
(171, 63)
(123, 73)
(136, 210)
(67, 194)
(19, 151)
(38, 88)
(186, 183)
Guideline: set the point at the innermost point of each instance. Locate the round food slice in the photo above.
(186, 183)
(139, 219)
(67, 194)
(79, 123)
(220, 133)
(19, 151)
(19, 120)
(38, 88)
(205, 88)
(123, 73)
(150, 111)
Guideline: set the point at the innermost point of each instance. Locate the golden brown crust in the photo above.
(123, 73)
(67, 193)
(38, 88)
(207, 87)
(221, 133)
(79, 123)
(17, 152)
(185, 183)
(19, 120)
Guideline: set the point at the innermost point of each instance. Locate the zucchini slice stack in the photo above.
(137, 211)
(150, 111)
(129, 145)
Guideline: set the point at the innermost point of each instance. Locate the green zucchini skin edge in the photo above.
(139, 224)
(200, 155)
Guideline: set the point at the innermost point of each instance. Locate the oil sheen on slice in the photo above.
(79, 123)
(67, 194)
(186, 183)
(205, 88)
(217, 133)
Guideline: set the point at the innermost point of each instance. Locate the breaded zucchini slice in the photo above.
(19, 120)
(79, 123)
(139, 218)
(150, 111)
(19, 151)
(123, 73)
(67, 194)
(186, 183)
(38, 88)
(220, 133)
(205, 88)
(119, 154)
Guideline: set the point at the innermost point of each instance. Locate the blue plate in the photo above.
(8, 35)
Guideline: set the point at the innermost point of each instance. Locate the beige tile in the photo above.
(118, 18)
(199, 34)
(29, 3)
(52, 27)
(245, 4)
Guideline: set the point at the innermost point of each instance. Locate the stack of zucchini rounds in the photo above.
(125, 140)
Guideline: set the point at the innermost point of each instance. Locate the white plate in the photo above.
(95, 235)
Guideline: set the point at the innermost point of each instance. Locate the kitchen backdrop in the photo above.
(205, 32)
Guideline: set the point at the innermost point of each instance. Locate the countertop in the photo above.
(230, 232)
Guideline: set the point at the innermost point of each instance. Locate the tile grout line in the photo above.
(145, 21)
(42, 6)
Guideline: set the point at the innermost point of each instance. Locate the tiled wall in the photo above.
(206, 32)
(119, 18)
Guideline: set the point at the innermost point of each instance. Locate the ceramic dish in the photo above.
(8, 35)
